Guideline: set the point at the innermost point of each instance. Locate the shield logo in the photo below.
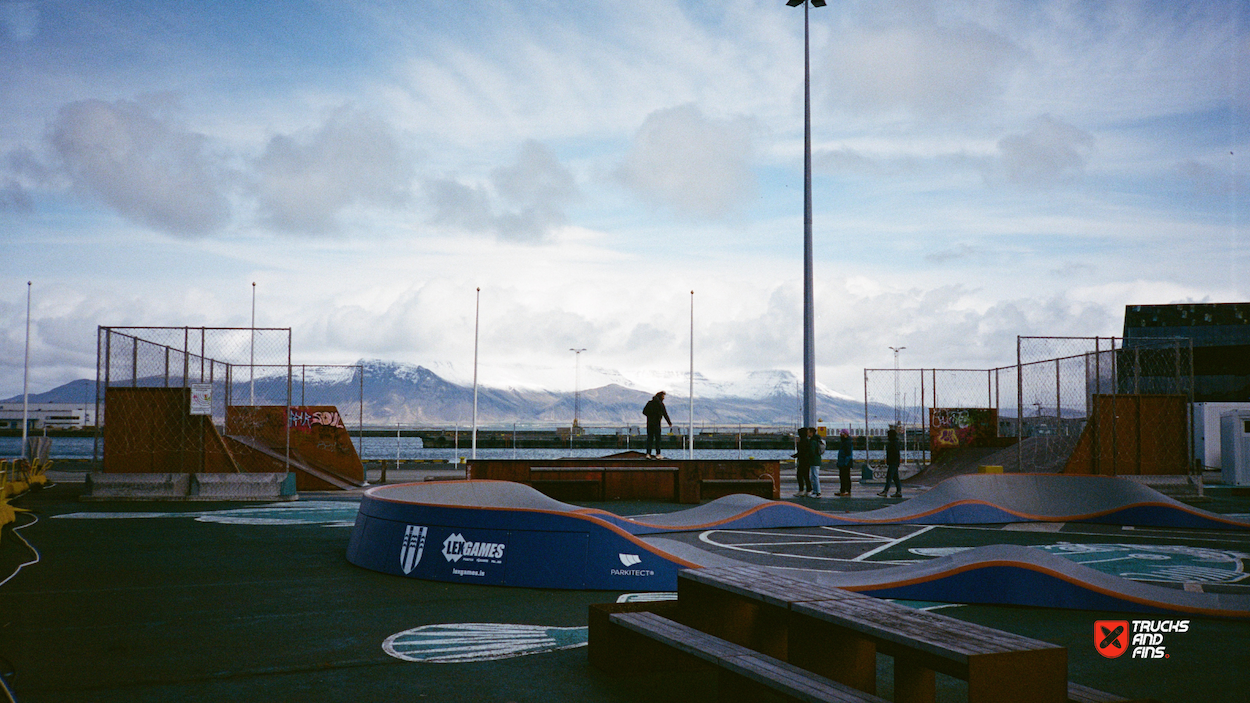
(414, 544)
(1111, 637)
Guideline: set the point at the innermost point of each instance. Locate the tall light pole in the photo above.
(26, 378)
(477, 310)
(809, 312)
(896, 350)
(577, 391)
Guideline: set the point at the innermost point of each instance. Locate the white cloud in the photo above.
(135, 157)
(525, 201)
(303, 183)
(1050, 152)
(921, 69)
(695, 165)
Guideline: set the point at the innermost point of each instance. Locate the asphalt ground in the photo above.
(245, 602)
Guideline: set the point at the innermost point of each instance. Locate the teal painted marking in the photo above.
(327, 513)
(462, 643)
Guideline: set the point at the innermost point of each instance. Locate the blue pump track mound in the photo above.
(502, 533)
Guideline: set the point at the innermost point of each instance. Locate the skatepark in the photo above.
(228, 600)
(227, 552)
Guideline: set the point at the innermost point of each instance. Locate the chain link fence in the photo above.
(162, 393)
(1078, 404)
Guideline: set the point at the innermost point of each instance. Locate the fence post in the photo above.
(865, 419)
(1058, 399)
(1019, 408)
(924, 424)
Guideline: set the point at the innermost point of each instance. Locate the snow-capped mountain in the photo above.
(409, 394)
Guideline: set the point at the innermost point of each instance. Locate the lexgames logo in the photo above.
(1112, 637)
(456, 547)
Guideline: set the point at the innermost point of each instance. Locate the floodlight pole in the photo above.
(809, 308)
(577, 392)
(896, 350)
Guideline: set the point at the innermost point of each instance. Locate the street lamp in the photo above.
(577, 385)
(896, 350)
(809, 323)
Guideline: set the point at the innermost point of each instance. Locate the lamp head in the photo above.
(815, 3)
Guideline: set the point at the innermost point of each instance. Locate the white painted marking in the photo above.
(838, 536)
(893, 543)
(646, 597)
(459, 643)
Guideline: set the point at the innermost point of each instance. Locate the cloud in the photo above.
(524, 203)
(14, 198)
(304, 182)
(133, 156)
(961, 250)
(1206, 180)
(19, 19)
(695, 165)
(1051, 152)
(926, 70)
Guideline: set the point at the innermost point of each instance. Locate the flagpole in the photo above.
(26, 377)
(690, 431)
(476, 317)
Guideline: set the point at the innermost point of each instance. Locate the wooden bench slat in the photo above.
(761, 668)
(936, 634)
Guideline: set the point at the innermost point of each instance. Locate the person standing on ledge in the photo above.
(655, 410)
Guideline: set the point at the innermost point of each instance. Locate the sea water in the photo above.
(411, 448)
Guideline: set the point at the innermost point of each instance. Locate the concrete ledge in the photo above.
(250, 486)
(189, 487)
(101, 486)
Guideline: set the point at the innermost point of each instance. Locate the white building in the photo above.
(53, 416)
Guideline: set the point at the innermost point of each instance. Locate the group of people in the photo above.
(811, 447)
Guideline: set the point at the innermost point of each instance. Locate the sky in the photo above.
(980, 170)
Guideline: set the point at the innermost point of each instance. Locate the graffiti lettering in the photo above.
(305, 420)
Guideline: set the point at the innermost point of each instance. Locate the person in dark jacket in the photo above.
(846, 458)
(803, 463)
(892, 459)
(817, 447)
(655, 411)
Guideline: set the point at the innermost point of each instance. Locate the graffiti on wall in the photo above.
(950, 428)
(304, 420)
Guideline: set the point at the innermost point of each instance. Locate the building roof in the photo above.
(1207, 324)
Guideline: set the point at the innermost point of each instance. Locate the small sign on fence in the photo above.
(201, 399)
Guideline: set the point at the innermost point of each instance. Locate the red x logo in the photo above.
(1111, 637)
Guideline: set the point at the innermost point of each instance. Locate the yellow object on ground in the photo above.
(990, 469)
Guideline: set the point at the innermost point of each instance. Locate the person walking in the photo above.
(803, 463)
(817, 447)
(655, 411)
(846, 458)
(892, 459)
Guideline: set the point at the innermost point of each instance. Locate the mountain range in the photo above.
(413, 395)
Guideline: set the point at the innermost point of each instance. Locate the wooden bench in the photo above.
(606, 482)
(838, 633)
(740, 669)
